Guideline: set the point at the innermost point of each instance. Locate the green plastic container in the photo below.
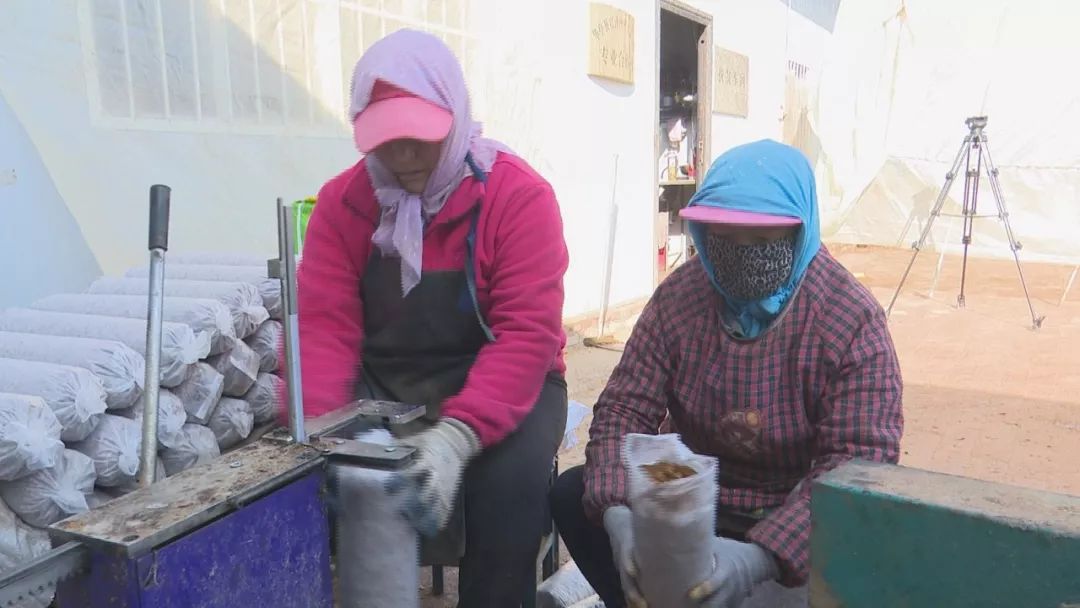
(302, 213)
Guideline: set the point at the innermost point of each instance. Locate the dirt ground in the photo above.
(985, 396)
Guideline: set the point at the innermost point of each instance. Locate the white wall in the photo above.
(224, 180)
(272, 124)
(533, 92)
(769, 34)
(42, 248)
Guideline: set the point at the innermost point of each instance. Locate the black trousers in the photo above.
(505, 491)
(587, 542)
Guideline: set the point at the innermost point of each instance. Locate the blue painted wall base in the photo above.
(272, 553)
(887, 536)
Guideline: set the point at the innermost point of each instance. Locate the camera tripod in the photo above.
(972, 153)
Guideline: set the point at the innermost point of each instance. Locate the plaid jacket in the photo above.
(821, 386)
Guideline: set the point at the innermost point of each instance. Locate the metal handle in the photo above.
(286, 266)
(158, 243)
(159, 217)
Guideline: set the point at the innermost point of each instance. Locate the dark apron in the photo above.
(419, 348)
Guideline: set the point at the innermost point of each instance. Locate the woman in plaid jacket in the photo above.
(767, 355)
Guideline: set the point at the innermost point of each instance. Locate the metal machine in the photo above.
(250, 528)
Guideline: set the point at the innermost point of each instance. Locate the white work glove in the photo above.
(429, 484)
(737, 568)
(621, 535)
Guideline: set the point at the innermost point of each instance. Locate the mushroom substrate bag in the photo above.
(201, 392)
(29, 436)
(121, 370)
(242, 299)
(114, 448)
(672, 496)
(269, 289)
(200, 314)
(45, 497)
(197, 445)
(180, 347)
(240, 367)
(266, 341)
(264, 396)
(231, 422)
(75, 395)
(171, 417)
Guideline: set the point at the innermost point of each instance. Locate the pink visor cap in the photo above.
(396, 114)
(731, 217)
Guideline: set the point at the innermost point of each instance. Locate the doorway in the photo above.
(683, 125)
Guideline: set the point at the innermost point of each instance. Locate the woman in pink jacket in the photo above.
(433, 274)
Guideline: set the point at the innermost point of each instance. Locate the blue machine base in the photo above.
(272, 553)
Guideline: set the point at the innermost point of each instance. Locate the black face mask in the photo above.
(750, 272)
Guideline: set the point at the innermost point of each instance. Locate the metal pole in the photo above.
(610, 260)
(999, 199)
(971, 201)
(287, 268)
(935, 211)
(158, 244)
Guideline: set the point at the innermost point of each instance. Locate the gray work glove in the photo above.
(621, 535)
(737, 569)
(429, 485)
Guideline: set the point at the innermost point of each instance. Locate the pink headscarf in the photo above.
(420, 64)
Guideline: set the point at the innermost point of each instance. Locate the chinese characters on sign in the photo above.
(731, 76)
(611, 43)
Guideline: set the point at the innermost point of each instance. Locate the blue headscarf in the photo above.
(762, 177)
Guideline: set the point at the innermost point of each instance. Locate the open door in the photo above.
(684, 125)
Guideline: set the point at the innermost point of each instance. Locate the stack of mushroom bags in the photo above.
(72, 370)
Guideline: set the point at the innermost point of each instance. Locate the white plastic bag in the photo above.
(197, 445)
(180, 347)
(131, 486)
(217, 258)
(266, 341)
(121, 370)
(74, 394)
(200, 392)
(239, 365)
(371, 578)
(673, 521)
(231, 422)
(49, 495)
(200, 314)
(97, 498)
(19, 543)
(171, 416)
(29, 436)
(269, 289)
(242, 299)
(114, 448)
(576, 413)
(264, 396)
(567, 588)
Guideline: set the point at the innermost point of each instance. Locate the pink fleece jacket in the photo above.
(521, 258)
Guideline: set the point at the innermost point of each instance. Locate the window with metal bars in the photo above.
(242, 65)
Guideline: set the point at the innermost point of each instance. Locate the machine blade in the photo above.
(40, 577)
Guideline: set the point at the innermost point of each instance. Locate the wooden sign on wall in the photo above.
(731, 83)
(611, 43)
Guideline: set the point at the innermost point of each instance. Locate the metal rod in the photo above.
(287, 255)
(935, 211)
(610, 261)
(971, 201)
(999, 199)
(1068, 285)
(158, 244)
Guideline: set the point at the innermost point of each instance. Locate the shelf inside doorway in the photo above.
(677, 182)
